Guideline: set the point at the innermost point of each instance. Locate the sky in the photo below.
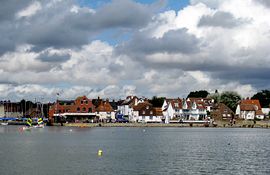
(115, 48)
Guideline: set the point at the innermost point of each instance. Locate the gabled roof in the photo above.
(222, 108)
(206, 101)
(250, 105)
(142, 105)
(176, 103)
(130, 100)
(251, 102)
(200, 105)
(104, 107)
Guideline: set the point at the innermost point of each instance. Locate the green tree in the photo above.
(230, 99)
(157, 101)
(198, 94)
(263, 97)
(215, 96)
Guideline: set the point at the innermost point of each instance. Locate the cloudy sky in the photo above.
(114, 48)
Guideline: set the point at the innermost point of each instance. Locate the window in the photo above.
(147, 107)
(90, 110)
(83, 109)
(143, 112)
(176, 105)
(151, 112)
(86, 102)
(81, 102)
(151, 117)
(78, 109)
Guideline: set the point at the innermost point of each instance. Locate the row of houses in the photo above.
(141, 110)
(136, 109)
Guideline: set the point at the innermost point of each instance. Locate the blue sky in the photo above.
(171, 4)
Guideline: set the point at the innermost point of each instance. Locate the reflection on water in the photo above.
(64, 150)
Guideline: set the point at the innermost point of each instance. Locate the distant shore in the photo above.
(220, 124)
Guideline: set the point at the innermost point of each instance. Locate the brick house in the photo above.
(221, 111)
(80, 109)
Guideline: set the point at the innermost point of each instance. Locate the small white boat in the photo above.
(26, 128)
(4, 124)
(38, 126)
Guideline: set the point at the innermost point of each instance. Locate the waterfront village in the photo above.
(137, 110)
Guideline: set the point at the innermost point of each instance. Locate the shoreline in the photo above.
(219, 125)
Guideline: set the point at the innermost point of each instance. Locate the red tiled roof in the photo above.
(176, 103)
(200, 105)
(104, 107)
(247, 107)
(140, 106)
(251, 102)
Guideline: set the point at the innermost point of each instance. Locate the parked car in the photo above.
(121, 120)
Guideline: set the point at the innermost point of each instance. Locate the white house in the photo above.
(186, 109)
(194, 109)
(145, 112)
(105, 111)
(126, 108)
(172, 108)
(249, 110)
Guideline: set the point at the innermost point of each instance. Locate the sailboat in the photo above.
(40, 123)
(28, 124)
(6, 123)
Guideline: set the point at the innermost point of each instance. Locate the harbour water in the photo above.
(134, 151)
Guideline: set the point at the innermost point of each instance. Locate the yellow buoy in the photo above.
(100, 152)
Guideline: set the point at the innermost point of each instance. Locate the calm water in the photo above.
(63, 150)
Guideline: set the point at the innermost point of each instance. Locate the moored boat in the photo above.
(28, 125)
(40, 123)
(39, 126)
